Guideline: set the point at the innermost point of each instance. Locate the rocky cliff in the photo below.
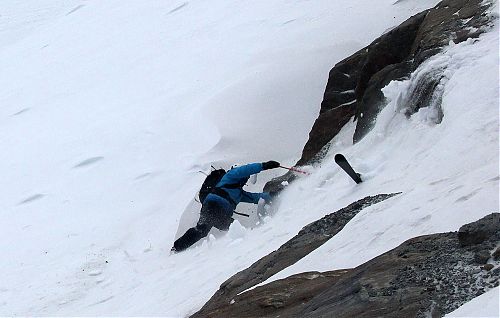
(307, 240)
(427, 276)
(354, 87)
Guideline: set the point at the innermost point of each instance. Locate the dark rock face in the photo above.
(388, 59)
(280, 298)
(275, 185)
(496, 254)
(456, 20)
(349, 80)
(308, 239)
(354, 88)
(427, 276)
(354, 84)
(478, 232)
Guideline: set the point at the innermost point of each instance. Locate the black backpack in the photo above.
(208, 185)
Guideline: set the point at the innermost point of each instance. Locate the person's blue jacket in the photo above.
(232, 183)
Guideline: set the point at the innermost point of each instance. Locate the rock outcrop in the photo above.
(349, 80)
(308, 239)
(354, 84)
(427, 276)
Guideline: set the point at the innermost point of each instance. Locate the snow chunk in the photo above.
(236, 231)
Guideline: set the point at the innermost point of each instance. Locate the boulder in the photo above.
(354, 87)
(308, 239)
(349, 79)
(427, 276)
(479, 231)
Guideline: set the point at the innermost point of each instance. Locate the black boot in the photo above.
(191, 236)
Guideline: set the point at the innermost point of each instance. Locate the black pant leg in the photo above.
(192, 236)
(216, 215)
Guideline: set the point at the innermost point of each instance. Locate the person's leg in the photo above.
(220, 217)
(192, 236)
(211, 215)
(224, 222)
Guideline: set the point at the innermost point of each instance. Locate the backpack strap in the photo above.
(233, 186)
(243, 214)
(223, 194)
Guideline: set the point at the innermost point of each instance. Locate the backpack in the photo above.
(211, 180)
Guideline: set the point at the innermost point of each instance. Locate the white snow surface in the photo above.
(485, 305)
(108, 110)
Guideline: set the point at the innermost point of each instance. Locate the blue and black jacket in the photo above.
(232, 186)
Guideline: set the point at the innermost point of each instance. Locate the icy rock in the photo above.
(496, 254)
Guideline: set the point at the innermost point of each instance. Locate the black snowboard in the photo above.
(342, 162)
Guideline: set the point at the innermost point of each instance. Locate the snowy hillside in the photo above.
(108, 110)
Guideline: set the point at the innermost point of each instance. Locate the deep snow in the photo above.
(110, 109)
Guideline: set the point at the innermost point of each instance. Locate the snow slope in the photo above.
(447, 173)
(486, 305)
(110, 108)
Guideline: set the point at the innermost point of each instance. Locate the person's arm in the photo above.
(242, 172)
(250, 197)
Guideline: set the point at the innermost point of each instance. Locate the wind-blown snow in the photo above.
(110, 108)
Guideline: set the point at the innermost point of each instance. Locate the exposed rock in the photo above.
(276, 185)
(456, 20)
(388, 59)
(349, 79)
(354, 87)
(450, 20)
(481, 257)
(496, 254)
(427, 276)
(280, 297)
(479, 231)
(308, 239)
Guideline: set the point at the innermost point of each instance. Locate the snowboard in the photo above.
(344, 164)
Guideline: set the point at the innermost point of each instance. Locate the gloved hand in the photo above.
(266, 196)
(270, 165)
(273, 194)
